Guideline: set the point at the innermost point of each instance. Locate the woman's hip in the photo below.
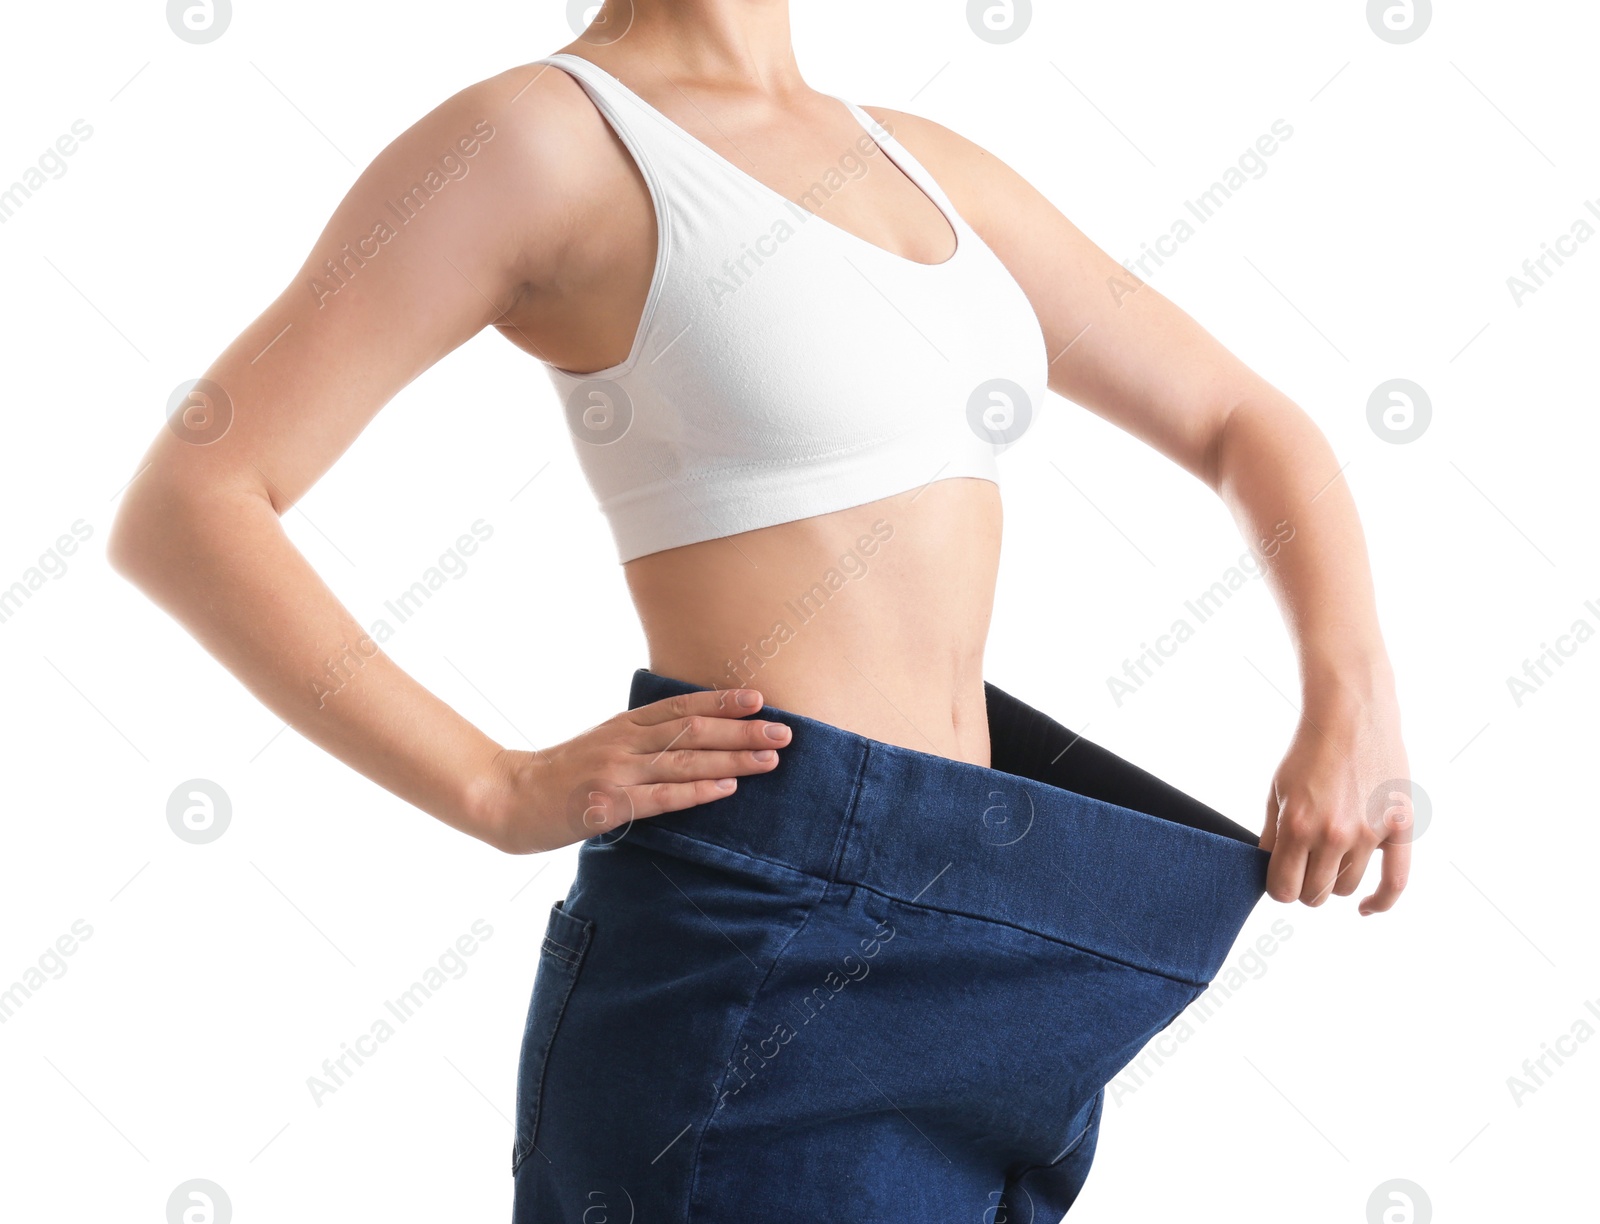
(1058, 837)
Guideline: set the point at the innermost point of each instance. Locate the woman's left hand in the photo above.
(1341, 793)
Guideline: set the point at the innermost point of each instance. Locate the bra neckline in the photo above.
(949, 214)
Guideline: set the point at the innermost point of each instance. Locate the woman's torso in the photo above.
(874, 617)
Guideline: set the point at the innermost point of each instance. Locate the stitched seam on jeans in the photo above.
(560, 952)
(955, 913)
(738, 1032)
(847, 825)
(544, 1058)
(1094, 1116)
(658, 831)
(1055, 939)
(544, 1071)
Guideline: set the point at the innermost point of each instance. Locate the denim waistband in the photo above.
(1125, 885)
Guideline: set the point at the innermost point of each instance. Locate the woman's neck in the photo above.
(743, 45)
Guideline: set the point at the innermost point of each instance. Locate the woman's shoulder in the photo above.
(977, 181)
(537, 107)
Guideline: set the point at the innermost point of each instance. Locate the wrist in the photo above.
(490, 797)
(1334, 687)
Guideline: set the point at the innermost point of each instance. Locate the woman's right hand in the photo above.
(666, 756)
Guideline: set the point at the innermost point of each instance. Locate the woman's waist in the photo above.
(872, 618)
(893, 690)
(1017, 848)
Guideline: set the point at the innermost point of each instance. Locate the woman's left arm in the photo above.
(1126, 353)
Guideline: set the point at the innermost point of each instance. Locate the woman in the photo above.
(852, 930)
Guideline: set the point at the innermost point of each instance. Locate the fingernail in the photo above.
(777, 731)
(748, 698)
(724, 783)
(765, 755)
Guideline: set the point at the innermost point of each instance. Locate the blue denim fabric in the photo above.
(873, 984)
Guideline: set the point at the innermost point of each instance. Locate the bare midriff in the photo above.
(872, 618)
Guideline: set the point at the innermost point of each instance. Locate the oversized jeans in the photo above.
(875, 984)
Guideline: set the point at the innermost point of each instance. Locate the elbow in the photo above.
(151, 512)
(162, 524)
(128, 544)
(1259, 430)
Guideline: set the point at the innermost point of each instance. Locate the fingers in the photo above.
(712, 703)
(1396, 850)
(1353, 868)
(688, 765)
(1322, 873)
(1311, 844)
(1318, 854)
(1286, 872)
(698, 732)
(696, 745)
(610, 808)
(686, 750)
(665, 756)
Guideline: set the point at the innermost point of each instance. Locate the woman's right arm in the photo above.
(495, 194)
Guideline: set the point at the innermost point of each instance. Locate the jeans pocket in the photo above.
(561, 955)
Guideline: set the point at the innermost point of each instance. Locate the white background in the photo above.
(1377, 245)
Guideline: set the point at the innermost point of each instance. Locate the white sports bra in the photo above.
(784, 367)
